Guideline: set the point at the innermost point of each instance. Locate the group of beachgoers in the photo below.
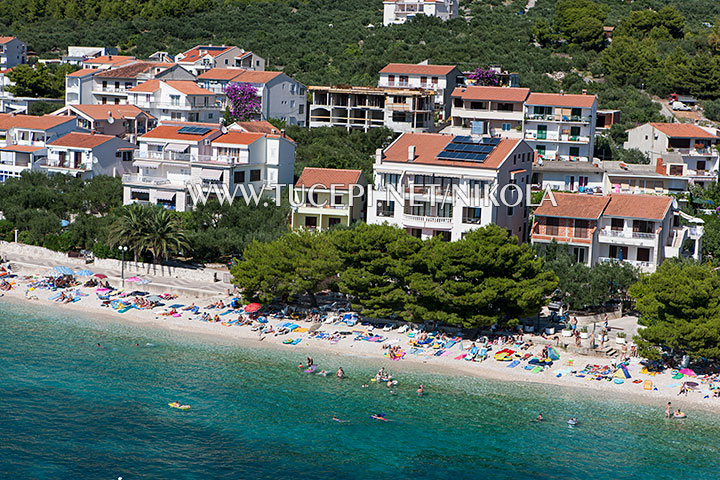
(676, 414)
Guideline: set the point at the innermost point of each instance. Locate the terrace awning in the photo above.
(162, 195)
(176, 147)
(140, 163)
(211, 174)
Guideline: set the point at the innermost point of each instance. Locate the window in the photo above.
(445, 210)
(389, 179)
(434, 80)
(127, 155)
(700, 165)
(254, 175)
(301, 109)
(416, 232)
(338, 200)
(581, 228)
(472, 215)
(332, 221)
(385, 208)
(210, 116)
(570, 182)
(643, 226)
(579, 254)
(575, 133)
(175, 99)
(239, 177)
(510, 211)
(444, 235)
(552, 225)
(617, 224)
(226, 61)
(391, 79)
(676, 169)
(541, 132)
(506, 127)
(505, 107)
(457, 102)
(477, 105)
(643, 254)
(104, 100)
(574, 151)
(423, 80)
(311, 222)
(621, 253)
(403, 80)
(421, 209)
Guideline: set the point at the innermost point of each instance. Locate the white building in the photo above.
(639, 229)
(12, 52)
(106, 62)
(678, 150)
(173, 159)
(176, 100)
(583, 177)
(442, 79)
(204, 57)
(493, 111)
(561, 126)
(363, 108)
(281, 97)
(420, 179)
(124, 121)
(24, 138)
(77, 55)
(400, 11)
(87, 155)
(79, 86)
(112, 86)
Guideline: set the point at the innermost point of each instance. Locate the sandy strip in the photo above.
(490, 369)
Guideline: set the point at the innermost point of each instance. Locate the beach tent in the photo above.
(84, 273)
(553, 354)
(64, 270)
(688, 372)
(622, 372)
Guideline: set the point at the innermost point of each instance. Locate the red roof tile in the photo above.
(102, 112)
(81, 140)
(572, 205)
(238, 138)
(325, 177)
(32, 122)
(21, 148)
(652, 207)
(109, 59)
(682, 130)
(188, 87)
(414, 69)
(83, 72)
(194, 54)
(498, 94)
(4, 40)
(556, 100)
(132, 70)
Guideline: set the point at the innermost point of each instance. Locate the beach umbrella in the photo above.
(691, 384)
(64, 270)
(102, 290)
(154, 299)
(100, 276)
(133, 279)
(688, 372)
(252, 307)
(84, 273)
(54, 273)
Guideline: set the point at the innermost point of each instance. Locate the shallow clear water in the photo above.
(73, 410)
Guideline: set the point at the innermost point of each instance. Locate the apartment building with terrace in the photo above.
(442, 79)
(280, 96)
(106, 62)
(112, 86)
(176, 100)
(399, 109)
(327, 197)
(561, 126)
(492, 111)
(13, 52)
(202, 58)
(124, 121)
(86, 155)
(172, 159)
(642, 230)
(444, 185)
(678, 150)
(400, 11)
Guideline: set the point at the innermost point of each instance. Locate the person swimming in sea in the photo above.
(340, 373)
(338, 420)
(539, 418)
(379, 416)
(420, 391)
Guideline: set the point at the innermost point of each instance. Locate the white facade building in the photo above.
(204, 57)
(493, 111)
(363, 108)
(442, 79)
(173, 159)
(176, 100)
(77, 55)
(561, 126)
(112, 86)
(79, 87)
(281, 97)
(420, 179)
(87, 155)
(400, 11)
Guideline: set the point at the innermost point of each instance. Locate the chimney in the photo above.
(109, 57)
(411, 153)
(273, 131)
(378, 156)
(92, 132)
(562, 92)
(282, 133)
(584, 91)
(660, 167)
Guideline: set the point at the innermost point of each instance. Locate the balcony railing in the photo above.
(627, 234)
(558, 118)
(139, 178)
(164, 155)
(636, 263)
(428, 219)
(697, 151)
(178, 106)
(110, 89)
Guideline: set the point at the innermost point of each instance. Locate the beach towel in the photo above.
(461, 356)
(648, 385)
(537, 369)
(513, 364)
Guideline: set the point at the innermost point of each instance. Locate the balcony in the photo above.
(164, 156)
(558, 118)
(700, 152)
(423, 220)
(609, 234)
(179, 106)
(555, 137)
(646, 266)
(111, 89)
(144, 179)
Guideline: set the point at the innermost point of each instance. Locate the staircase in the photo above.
(606, 351)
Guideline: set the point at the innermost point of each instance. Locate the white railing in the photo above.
(164, 155)
(636, 263)
(139, 178)
(627, 234)
(428, 219)
(558, 118)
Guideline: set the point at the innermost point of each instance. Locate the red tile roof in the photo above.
(220, 74)
(429, 145)
(556, 100)
(188, 87)
(21, 148)
(4, 40)
(102, 112)
(652, 207)
(132, 70)
(81, 140)
(498, 94)
(325, 177)
(572, 205)
(683, 130)
(170, 132)
(238, 138)
(193, 55)
(32, 122)
(83, 72)
(260, 126)
(238, 75)
(414, 69)
(109, 59)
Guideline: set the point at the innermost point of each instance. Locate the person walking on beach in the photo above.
(573, 323)
(667, 410)
(683, 389)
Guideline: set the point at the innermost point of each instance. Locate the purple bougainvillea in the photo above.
(485, 77)
(244, 102)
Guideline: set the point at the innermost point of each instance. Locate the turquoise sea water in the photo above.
(73, 410)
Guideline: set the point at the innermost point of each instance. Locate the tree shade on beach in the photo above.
(483, 279)
(680, 308)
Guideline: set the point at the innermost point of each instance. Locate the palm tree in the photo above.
(129, 229)
(164, 234)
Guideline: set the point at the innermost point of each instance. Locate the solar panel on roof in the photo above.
(194, 130)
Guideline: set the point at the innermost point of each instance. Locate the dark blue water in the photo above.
(73, 410)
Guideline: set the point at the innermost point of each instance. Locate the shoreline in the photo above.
(490, 369)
